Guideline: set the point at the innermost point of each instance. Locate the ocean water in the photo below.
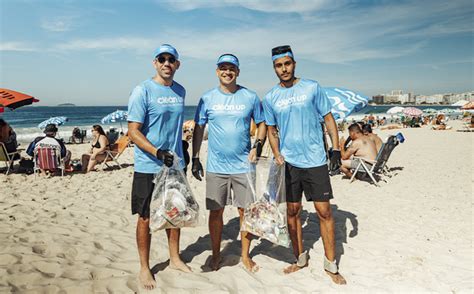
(25, 120)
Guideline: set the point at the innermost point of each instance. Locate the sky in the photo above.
(95, 52)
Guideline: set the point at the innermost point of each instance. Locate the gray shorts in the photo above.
(355, 163)
(219, 187)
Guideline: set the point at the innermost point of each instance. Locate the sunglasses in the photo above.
(162, 59)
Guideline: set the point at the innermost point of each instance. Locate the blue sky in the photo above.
(94, 52)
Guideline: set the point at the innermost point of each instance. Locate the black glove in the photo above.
(166, 156)
(259, 146)
(197, 169)
(335, 161)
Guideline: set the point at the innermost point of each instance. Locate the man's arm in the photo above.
(256, 150)
(137, 137)
(198, 134)
(275, 144)
(332, 130)
(346, 153)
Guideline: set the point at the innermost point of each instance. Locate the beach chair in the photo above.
(8, 157)
(115, 151)
(377, 166)
(48, 159)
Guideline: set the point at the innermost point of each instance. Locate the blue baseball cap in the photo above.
(228, 58)
(166, 48)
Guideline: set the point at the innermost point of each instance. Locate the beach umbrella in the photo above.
(344, 102)
(13, 99)
(430, 110)
(57, 120)
(412, 111)
(395, 110)
(469, 105)
(460, 103)
(116, 116)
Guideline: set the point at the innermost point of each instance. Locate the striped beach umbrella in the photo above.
(344, 101)
(116, 116)
(412, 111)
(57, 120)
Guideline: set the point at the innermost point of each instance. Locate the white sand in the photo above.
(413, 234)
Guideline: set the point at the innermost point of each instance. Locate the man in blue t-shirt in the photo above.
(293, 109)
(229, 110)
(155, 120)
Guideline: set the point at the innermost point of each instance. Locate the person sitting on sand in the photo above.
(367, 130)
(8, 137)
(97, 152)
(49, 140)
(362, 146)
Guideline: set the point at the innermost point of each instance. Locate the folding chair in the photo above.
(48, 158)
(8, 157)
(115, 151)
(377, 166)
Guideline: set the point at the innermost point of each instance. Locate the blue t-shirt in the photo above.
(296, 111)
(160, 111)
(229, 117)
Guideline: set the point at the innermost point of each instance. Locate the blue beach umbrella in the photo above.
(57, 120)
(344, 102)
(118, 115)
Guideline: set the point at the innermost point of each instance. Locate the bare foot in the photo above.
(293, 268)
(215, 263)
(337, 278)
(147, 281)
(180, 266)
(250, 265)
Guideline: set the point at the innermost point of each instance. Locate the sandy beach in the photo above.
(76, 234)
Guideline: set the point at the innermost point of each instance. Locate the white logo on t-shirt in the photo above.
(169, 100)
(291, 101)
(228, 107)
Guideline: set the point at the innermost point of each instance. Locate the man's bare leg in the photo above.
(143, 236)
(346, 167)
(296, 233)
(326, 222)
(173, 246)
(245, 238)
(216, 223)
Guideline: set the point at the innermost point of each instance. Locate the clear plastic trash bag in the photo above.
(266, 216)
(172, 202)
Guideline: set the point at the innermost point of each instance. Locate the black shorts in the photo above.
(142, 189)
(314, 182)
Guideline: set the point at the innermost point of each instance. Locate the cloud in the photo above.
(138, 44)
(58, 24)
(17, 46)
(281, 6)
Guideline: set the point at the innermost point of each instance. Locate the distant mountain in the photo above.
(66, 104)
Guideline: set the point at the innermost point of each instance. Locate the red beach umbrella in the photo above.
(13, 99)
(412, 111)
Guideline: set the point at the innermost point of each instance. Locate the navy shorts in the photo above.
(314, 182)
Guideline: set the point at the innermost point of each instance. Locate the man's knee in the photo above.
(216, 214)
(142, 221)
(293, 209)
(324, 211)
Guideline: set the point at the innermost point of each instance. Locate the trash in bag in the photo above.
(266, 216)
(172, 202)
